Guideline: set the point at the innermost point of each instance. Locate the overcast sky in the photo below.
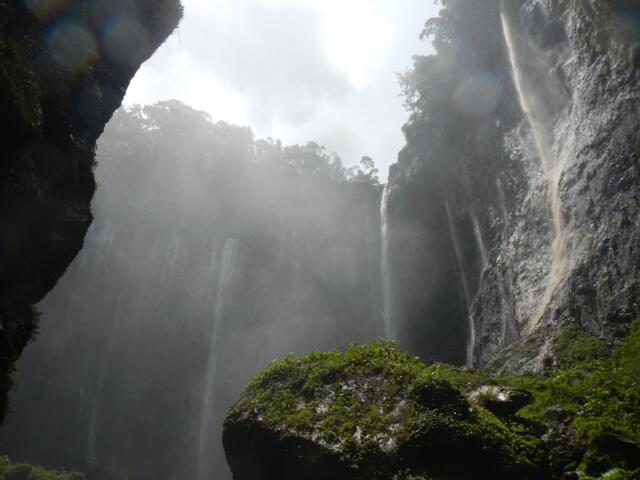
(297, 70)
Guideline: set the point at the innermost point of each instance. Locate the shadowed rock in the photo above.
(367, 413)
(64, 69)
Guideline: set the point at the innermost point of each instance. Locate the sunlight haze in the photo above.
(297, 70)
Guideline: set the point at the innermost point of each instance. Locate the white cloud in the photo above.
(297, 70)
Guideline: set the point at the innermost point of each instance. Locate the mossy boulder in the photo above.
(370, 412)
(373, 412)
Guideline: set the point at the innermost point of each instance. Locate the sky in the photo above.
(297, 70)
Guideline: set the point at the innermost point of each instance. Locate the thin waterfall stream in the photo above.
(387, 307)
(482, 248)
(540, 93)
(224, 290)
(465, 285)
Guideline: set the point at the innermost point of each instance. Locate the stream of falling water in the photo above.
(387, 308)
(224, 290)
(471, 340)
(482, 248)
(539, 93)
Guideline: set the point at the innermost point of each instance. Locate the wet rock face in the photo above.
(64, 69)
(595, 144)
(538, 245)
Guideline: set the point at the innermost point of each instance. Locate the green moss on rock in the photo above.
(375, 412)
(23, 471)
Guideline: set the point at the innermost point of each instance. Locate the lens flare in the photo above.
(477, 95)
(126, 41)
(45, 10)
(71, 46)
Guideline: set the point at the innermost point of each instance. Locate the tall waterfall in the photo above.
(223, 292)
(465, 285)
(387, 298)
(482, 248)
(541, 95)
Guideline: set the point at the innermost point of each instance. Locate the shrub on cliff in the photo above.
(23, 471)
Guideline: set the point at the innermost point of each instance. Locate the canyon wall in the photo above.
(514, 206)
(64, 69)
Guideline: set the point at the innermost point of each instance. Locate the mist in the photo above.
(363, 240)
(211, 254)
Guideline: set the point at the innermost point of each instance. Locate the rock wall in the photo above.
(517, 191)
(64, 69)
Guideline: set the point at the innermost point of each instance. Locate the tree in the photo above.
(366, 172)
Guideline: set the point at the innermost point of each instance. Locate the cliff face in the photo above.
(64, 69)
(518, 188)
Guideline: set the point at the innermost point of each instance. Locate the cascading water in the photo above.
(387, 298)
(224, 290)
(465, 285)
(541, 95)
(92, 455)
(482, 248)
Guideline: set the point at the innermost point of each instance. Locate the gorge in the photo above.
(505, 243)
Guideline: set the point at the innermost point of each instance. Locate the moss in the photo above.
(369, 401)
(22, 471)
(627, 357)
(598, 393)
(616, 474)
(348, 400)
(574, 346)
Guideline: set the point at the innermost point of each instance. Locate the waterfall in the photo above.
(465, 286)
(223, 293)
(385, 274)
(92, 455)
(482, 248)
(374, 256)
(541, 93)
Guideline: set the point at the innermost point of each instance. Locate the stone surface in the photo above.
(63, 72)
(470, 211)
(502, 402)
(370, 412)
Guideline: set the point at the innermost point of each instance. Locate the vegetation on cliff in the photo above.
(23, 471)
(381, 412)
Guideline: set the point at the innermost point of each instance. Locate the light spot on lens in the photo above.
(72, 47)
(126, 41)
(45, 9)
(477, 95)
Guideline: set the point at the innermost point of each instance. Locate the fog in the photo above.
(218, 247)
(211, 254)
(455, 194)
